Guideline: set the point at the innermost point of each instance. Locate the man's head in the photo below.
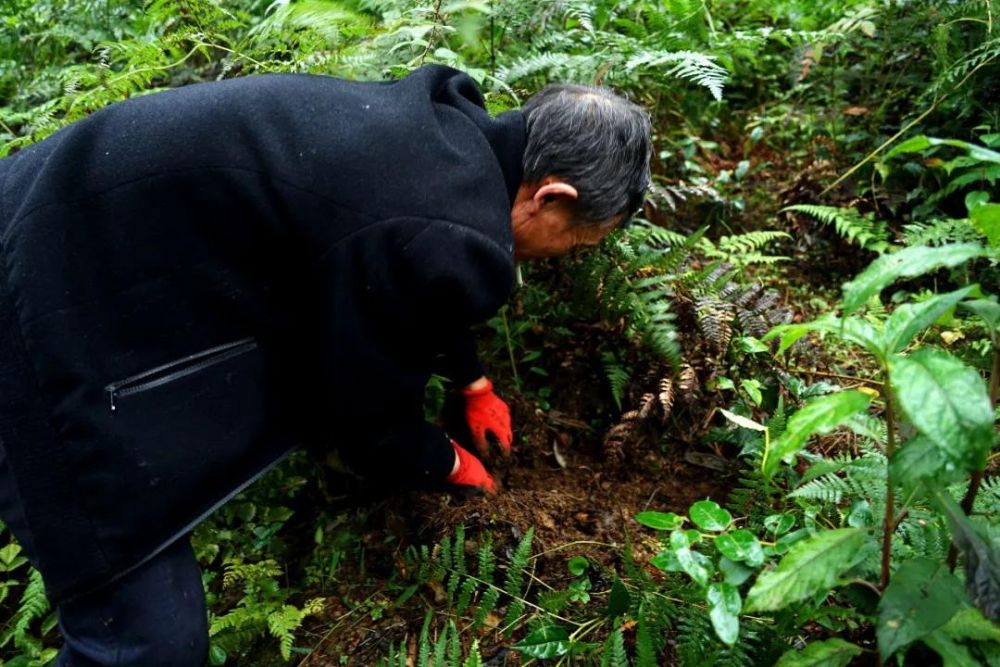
(586, 169)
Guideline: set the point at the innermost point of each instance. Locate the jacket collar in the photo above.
(508, 137)
(506, 133)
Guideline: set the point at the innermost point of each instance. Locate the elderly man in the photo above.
(196, 281)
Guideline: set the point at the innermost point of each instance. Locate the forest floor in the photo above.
(580, 506)
(560, 479)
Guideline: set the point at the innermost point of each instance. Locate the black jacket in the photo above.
(198, 280)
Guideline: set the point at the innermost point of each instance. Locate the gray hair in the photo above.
(594, 139)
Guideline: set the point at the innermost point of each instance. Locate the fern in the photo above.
(477, 593)
(618, 377)
(514, 581)
(697, 67)
(977, 58)
(614, 650)
(861, 230)
(32, 607)
(742, 250)
(445, 651)
(283, 623)
(940, 231)
(263, 610)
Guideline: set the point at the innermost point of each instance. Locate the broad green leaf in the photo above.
(750, 345)
(910, 319)
(216, 656)
(548, 641)
(920, 464)
(735, 573)
(660, 520)
(821, 416)
(666, 561)
(982, 556)
(976, 198)
(724, 609)
(752, 388)
(779, 523)
(696, 565)
(810, 567)
(921, 597)
(828, 653)
(9, 553)
(952, 653)
(852, 329)
(785, 542)
(986, 219)
(741, 545)
(907, 263)
(740, 420)
(912, 145)
(922, 142)
(947, 402)
(619, 599)
(707, 515)
(987, 309)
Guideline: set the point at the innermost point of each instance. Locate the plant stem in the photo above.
(890, 510)
(510, 348)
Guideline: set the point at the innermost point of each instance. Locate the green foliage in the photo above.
(829, 653)
(618, 377)
(445, 651)
(862, 230)
(961, 425)
(906, 263)
(474, 593)
(811, 566)
(747, 100)
(262, 610)
(922, 597)
(614, 650)
(821, 415)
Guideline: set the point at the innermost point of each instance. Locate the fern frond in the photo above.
(697, 67)
(940, 231)
(514, 581)
(618, 377)
(862, 230)
(614, 650)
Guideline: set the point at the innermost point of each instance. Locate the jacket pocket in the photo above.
(174, 370)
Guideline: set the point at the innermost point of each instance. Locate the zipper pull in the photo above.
(111, 396)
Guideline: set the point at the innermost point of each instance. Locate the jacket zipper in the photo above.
(161, 375)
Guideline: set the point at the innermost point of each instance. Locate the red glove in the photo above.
(470, 472)
(486, 414)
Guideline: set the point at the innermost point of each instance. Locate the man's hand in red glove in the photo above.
(487, 415)
(469, 471)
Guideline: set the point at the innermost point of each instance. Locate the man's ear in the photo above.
(551, 189)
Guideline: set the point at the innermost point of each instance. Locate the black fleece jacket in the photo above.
(198, 280)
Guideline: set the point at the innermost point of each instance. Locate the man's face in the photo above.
(543, 222)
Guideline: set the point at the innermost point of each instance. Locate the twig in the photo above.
(836, 375)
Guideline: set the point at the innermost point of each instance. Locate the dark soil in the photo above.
(579, 507)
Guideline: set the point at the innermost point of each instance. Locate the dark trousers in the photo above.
(154, 617)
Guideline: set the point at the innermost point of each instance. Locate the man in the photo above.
(195, 281)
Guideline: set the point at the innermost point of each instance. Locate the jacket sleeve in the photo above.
(425, 283)
(460, 363)
(429, 281)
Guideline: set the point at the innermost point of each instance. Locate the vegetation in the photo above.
(757, 427)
